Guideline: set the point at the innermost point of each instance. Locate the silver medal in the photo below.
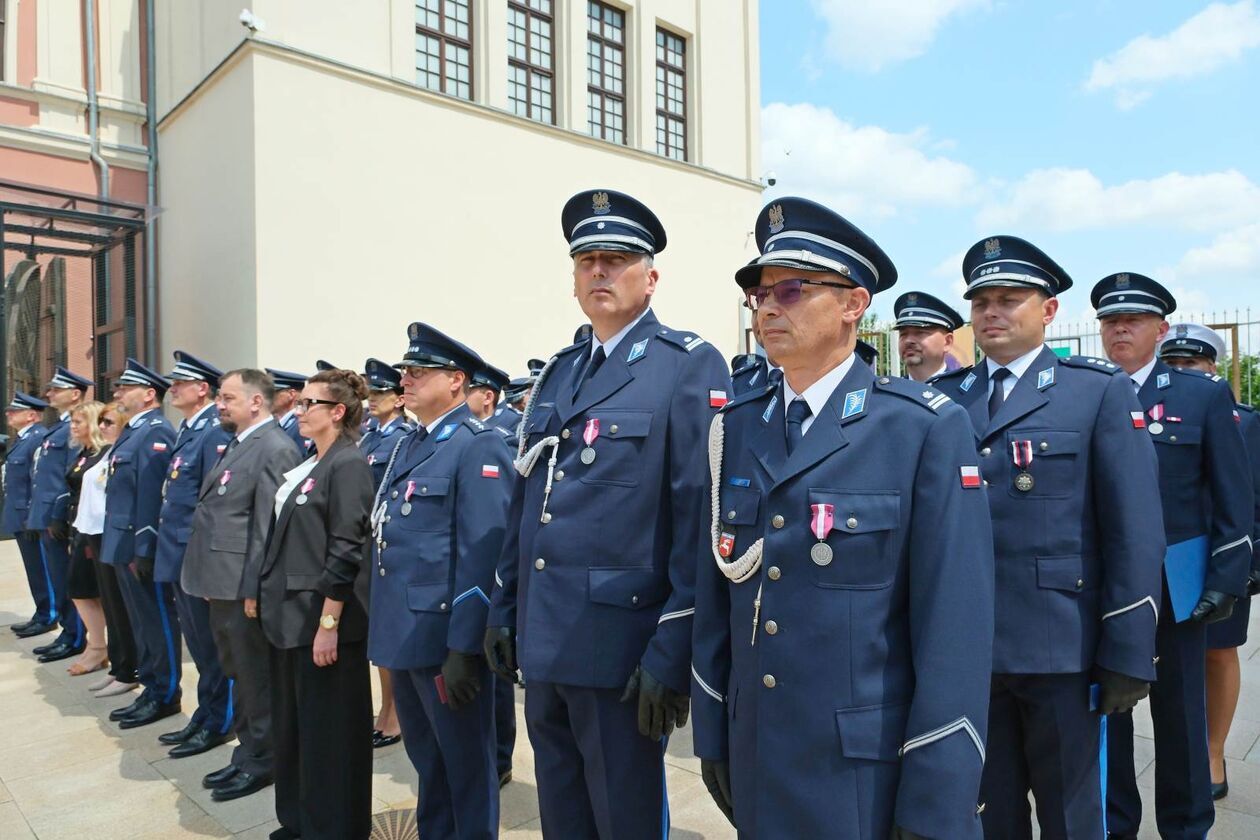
(1156, 428)
(301, 499)
(1024, 482)
(821, 554)
(405, 510)
(222, 489)
(588, 455)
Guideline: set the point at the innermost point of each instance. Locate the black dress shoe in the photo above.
(61, 651)
(220, 777)
(151, 712)
(35, 629)
(173, 738)
(203, 740)
(40, 650)
(18, 628)
(381, 740)
(1222, 790)
(242, 784)
(282, 833)
(128, 711)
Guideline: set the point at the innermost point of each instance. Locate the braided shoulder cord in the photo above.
(746, 566)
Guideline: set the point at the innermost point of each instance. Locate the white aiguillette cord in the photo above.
(527, 460)
(740, 570)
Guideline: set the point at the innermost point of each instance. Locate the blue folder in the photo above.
(1185, 567)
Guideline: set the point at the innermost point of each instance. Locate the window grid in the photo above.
(671, 95)
(444, 46)
(606, 72)
(531, 69)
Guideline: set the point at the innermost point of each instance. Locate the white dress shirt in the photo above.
(1018, 368)
(1142, 374)
(816, 395)
(611, 344)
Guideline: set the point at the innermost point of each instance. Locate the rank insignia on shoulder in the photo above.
(447, 431)
(854, 403)
(692, 342)
(156, 421)
(1045, 378)
(637, 351)
(966, 384)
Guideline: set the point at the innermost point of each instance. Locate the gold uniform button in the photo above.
(772, 627)
(777, 520)
(768, 681)
(986, 452)
(773, 573)
(565, 434)
(540, 564)
(851, 523)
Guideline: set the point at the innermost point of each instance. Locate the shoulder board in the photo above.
(940, 377)
(1198, 375)
(918, 393)
(215, 422)
(508, 434)
(687, 341)
(562, 351)
(393, 430)
(476, 425)
(1090, 363)
(751, 395)
(156, 421)
(1250, 409)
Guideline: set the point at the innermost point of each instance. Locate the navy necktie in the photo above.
(596, 361)
(999, 391)
(797, 411)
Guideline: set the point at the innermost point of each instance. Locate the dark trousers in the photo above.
(38, 579)
(151, 608)
(1183, 784)
(323, 743)
(597, 776)
(453, 753)
(57, 562)
(214, 689)
(245, 656)
(504, 723)
(1043, 737)
(121, 644)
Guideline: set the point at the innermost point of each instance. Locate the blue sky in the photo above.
(1118, 136)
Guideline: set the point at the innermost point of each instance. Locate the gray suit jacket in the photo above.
(228, 539)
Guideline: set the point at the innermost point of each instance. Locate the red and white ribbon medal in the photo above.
(1156, 412)
(405, 510)
(304, 489)
(822, 518)
(1022, 456)
(175, 466)
(223, 481)
(588, 437)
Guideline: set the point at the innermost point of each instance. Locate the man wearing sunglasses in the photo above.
(1073, 491)
(598, 566)
(845, 589)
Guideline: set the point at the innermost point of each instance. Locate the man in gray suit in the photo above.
(222, 563)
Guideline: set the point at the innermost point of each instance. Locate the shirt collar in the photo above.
(611, 344)
(816, 395)
(65, 415)
(25, 430)
(244, 433)
(284, 418)
(193, 419)
(1143, 373)
(387, 426)
(1018, 367)
(135, 421)
(429, 427)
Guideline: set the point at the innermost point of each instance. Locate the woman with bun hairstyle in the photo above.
(312, 603)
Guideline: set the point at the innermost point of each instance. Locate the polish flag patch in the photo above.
(1237, 418)
(221, 448)
(970, 476)
(489, 471)
(717, 399)
(1139, 419)
(158, 446)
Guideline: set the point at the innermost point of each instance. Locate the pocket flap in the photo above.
(231, 543)
(301, 581)
(1047, 444)
(429, 597)
(875, 733)
(540, 418)
(859, 513)
(739, 505)
(624, 424)
(1175, 434)
(634, 588)
(1060, 572)
(430, 485)
(118, 521)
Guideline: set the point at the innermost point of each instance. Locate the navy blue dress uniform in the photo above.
(286, 379)
(50, 498)
(18, 467)
(598, 569)
(845, 589)
(379, 441)
(748, 371)
(1072, 485)
(1208, 517)
(439, 520)
(199, 441)
(138, 467)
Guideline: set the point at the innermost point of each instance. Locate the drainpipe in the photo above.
(89, 15)
(150, 235)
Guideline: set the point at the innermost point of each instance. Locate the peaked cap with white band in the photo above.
(607, 220)
(1127, 293)
(188, 368)
(1011, 261)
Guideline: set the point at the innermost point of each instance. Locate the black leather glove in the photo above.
(1213, 606)
(499, 647)
(1253, 583)
(660, 707)
(144, 568)
(59, 530)
(717, 778)
(899, 833)
(1120, 692)
(462, 674)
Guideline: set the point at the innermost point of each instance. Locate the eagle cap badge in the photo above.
(600, 203)
(992, 248)
(775, 215)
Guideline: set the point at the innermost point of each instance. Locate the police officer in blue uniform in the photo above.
(22, 417)
(598, 569)
(484, 395)
(50, 498)
(138, 466)
(1208, 509)
(1071, 479)
(385, 405)
(925, 331)
(1194, 347)
(845, 588)
(199, 441)
(440, 518)
(288, 388)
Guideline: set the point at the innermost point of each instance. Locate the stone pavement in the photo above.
(67, 772)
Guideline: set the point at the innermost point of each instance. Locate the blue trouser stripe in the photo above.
(227, 718)
(664, 793)
(1102, 765)
(52, 593)
(170, 643)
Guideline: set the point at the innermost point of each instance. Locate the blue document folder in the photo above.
(1185, 567)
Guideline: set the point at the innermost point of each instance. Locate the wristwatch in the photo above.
(329, 622)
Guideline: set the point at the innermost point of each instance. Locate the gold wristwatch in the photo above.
(329, 622)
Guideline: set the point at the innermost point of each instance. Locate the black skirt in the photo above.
(81, 582)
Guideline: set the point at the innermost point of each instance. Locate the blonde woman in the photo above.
(81, 581)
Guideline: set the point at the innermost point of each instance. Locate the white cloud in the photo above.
(871, 34)
(950, 267)
(1235, 252)
(863, 170)
(1211, 39)
(1075, 199)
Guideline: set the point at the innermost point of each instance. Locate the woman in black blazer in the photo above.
(312, 602)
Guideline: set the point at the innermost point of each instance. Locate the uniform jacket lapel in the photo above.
(1025, 397)
(416, 454)
(1150, 394)
(611, 377)
(826, 434)
(290, 504)
(231, 457)
(769, 443)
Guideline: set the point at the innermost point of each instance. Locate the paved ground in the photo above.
(67, 772)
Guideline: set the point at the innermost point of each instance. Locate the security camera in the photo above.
(251, 21)
(771, 179)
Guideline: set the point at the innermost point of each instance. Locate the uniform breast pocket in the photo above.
(737, 520)
(1179, 447)
(426, 508)
(618, 449)
(542, 422)
(1053, 463)
(861, 541)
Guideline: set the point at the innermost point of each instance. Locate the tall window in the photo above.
(444, 46)
(671, 95)
(531, 73)
(606, 72)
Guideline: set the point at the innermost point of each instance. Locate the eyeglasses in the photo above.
(785, 292)
(302, 406)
